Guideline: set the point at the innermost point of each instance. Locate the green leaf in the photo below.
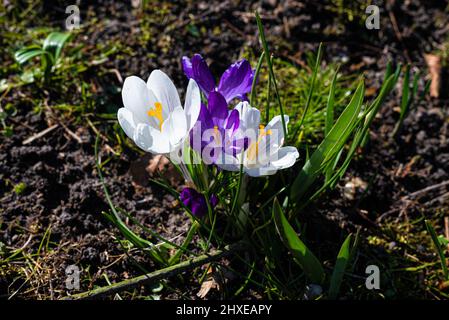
(330, 146)
(192, 231)
(312, 84)
(302, 255)
(25, 54)
(54, 43)
(255, 78)
(359, 140)
(114, 217)
(388, 71)
(329, 121)
(343, 257)
(405, 91)
(330, 105)
(442, 240)
(438, 247)
(386, 88)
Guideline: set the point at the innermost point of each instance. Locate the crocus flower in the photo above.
(196, 201)
(235, 82)
(265, 154)
(216, 132)
(153, 116)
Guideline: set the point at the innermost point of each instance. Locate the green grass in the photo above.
(412, 268)
(294, 87)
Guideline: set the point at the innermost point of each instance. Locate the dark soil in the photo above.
(63, 192)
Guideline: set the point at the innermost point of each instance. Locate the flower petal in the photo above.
(205, 118)
(187, 67)
(164, 90)
(218, 108)
(126, 120)
(233, 120)
(236, 80)
(175, 127)
(197, 69)
(202, 74)
(213, 200)
(194, 200)
(276, 139)
(137, 98)
(261, 171)
(228, 162)
(192, 104)
(151, 140)
(249, 116)
(285, 158)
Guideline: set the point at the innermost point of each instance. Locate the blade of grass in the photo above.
(340, 266)
(256, 77)
(438, 248)
(329, 147)
(193, 229)
(330, 119)
(312, 86)
(405, 99)
(267, 112)
(115, 217)
(302, 255)
(25, 54)
(270, 69)
(330, 105)
(359, 137)
(54, 43)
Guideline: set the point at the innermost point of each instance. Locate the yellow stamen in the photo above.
(216, 134)
(253, 149)
(157, 113)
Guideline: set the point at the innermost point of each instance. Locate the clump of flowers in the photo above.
(216, 132)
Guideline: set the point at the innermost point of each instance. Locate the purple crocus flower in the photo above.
(235, 82)
(196, 201)
(217, 130)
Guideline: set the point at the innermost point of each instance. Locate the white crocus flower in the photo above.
(153, 116)
(265, 154)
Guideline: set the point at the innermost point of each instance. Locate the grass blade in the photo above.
(330, 105)
(193, 229)
(270, 69)
(312, 86)
(330, 146)
(302, 255)
(343, 258)
(438, 247)
(54, 43)
(23, 55)
(117, 221)
(256, 76)
(405, 90)
(329, 121)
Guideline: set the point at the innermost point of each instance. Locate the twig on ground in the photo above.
(412, 195)
(117, 74)
(425, 190)
(158, 274)
(39, 134)
(92, 126)
(72, 134)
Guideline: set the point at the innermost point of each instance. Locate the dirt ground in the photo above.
(64, 197)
